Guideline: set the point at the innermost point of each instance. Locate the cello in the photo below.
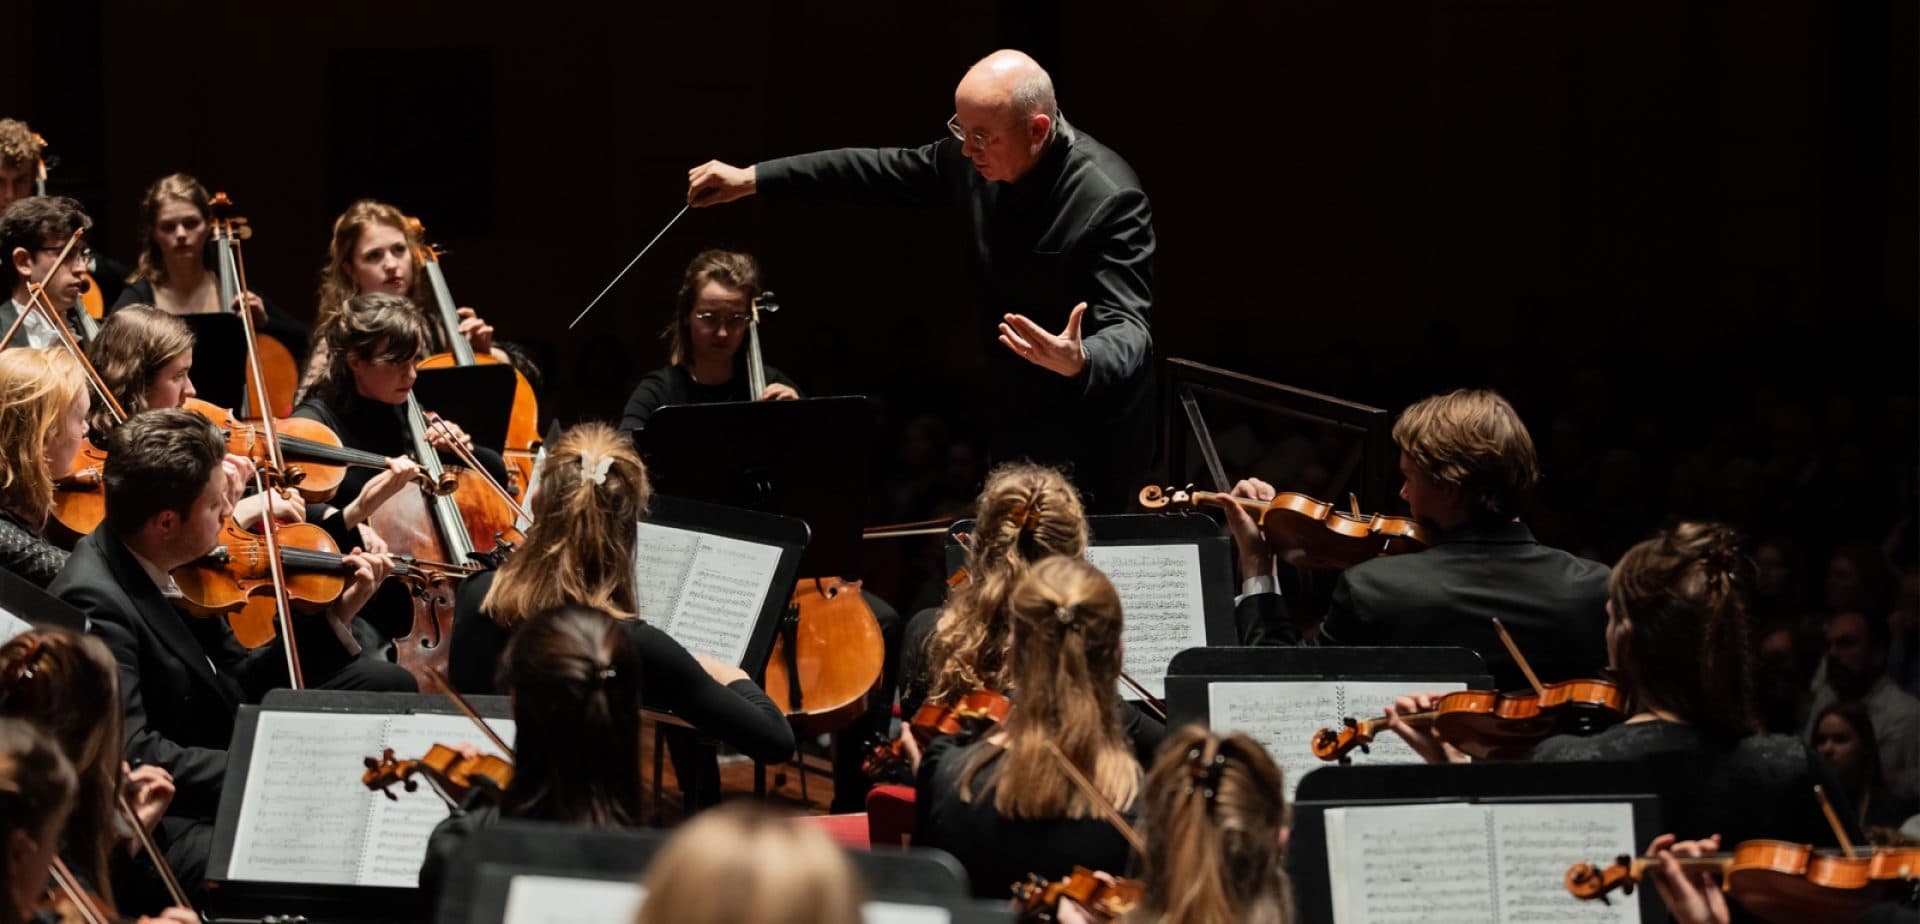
(523, 425)
(277, 375)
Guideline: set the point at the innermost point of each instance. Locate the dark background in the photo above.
(1654, 214)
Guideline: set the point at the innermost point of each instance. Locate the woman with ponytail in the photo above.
(37, 787)
(1677, 642)
(1005, 805)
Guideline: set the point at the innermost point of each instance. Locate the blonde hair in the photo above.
(1065, 661)
(741, 864)
(1475, 441)
(1026, 512)
(36, 388)
(580, 547)
(175, 187)
(134, 344)
(1212, 818)
(68, 685)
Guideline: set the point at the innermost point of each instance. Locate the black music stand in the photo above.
(480, 879)
(255, 899)
(478, 398)
(804, 458)
(20, 599)
(219, 359)
(1494, 782)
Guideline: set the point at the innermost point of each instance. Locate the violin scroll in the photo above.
(1588, 883)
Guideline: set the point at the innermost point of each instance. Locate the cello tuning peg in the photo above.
(767, 301)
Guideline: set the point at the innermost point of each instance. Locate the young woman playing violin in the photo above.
(68, 685)
(176, 271)
(592, 492)
(742, 864)
(704, 360)
(43, 421)
(1677, 641)
(37, 790)
(1004, 805)
(373, 252)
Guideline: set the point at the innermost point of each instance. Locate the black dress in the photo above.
(996, 851)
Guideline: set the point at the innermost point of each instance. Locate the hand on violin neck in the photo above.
(776, 391)
(1256, 557)
(1692, 898)
(715, 182)
(401, 472)
(478, 332)
(1431, 747)
(287, 508)
(1063, 353)
(369, 570)
(239, 473)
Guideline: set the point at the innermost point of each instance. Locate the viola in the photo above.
(1775, 880)
(828, 657)
(80, 497)
(1490, 725)
(273, 371)
(454, 775)
(970, 713)
(1105, 900)
(523, 423)
(1305, 532)
(323, 459)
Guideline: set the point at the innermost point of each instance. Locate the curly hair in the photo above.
(36, 388)
(1680, 609)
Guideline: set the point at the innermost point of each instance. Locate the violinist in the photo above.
(34, 232)
(43, 421)
(176, 271)
(372, 252)
(1677, 640)
(1469, 467)
(183, 678)
(1004, 805)
(19, 162)
(1695, 897)
(591, 494)
(37, 790)
(704, 360)
(576, 679)
(67, 685)
(742, 864)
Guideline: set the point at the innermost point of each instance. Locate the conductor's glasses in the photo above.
(959, 133)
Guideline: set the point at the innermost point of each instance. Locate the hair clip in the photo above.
(1204, 775)
(1064, 614)
(596, 473)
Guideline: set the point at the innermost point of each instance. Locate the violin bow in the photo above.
(82, 902)
(38, 300)
(472, 462)
(1513, 649)
(1154, 704)
(623, 272)
(159, 859)
(1099, 801)
(1833, 820)
(439, 676)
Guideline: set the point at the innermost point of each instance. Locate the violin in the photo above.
(973, 712)
(454, 775)
(523, 424)
(1490, 725)
(79, 497)
(1305, 532)
(69, 901)
(325, 460)
(1775, 880)
(1104, 900)
(272, 371)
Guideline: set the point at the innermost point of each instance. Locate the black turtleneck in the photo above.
(675, 385)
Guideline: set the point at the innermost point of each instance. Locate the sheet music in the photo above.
(1283, 716)
(559, 900)
(1467, 863)
(1165, 612)
(306, 816)
(897, 913)
(705, 591)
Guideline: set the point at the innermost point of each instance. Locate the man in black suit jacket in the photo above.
(1469, 466)
(183, 678)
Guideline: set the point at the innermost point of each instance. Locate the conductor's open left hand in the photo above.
(1062, 353)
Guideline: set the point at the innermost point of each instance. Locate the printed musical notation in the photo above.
(705, 591)
(1283, 716)
(1160, 597)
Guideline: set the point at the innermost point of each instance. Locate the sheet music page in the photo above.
(1411, 864)
(304, 816)
(1283, 716)
(1535, 844)
(662, 556)
(398, 829)
(1164, 610)
(896, 913)
(559, 900)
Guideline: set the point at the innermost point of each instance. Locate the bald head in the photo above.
(1006, 105)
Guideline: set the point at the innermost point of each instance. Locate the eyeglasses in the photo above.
(82, 255)
(716, 319)
(959, 133)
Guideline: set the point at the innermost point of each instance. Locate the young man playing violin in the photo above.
(34, 232)
(183, 678)
(1470, 467)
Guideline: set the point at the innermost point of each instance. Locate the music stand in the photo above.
(219, 359)
(478, 398)
(20, 599)
(804, 459)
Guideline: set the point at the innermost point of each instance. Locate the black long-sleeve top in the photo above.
(1077, 227)
(377, 427)
(674, 385)
(738, 713)
(27, 553)
(292, 332)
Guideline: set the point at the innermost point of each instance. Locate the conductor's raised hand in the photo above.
(1061, 353)
(715, 182)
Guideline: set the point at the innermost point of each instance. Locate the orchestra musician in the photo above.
(19, 162)
(1003, 804)
(67, 684)
(705, 363)
(591, 494)
(183, 678)
(741, 864)
(33, 233)
(43, 421)
(1062, 244)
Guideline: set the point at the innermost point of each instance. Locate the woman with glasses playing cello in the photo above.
(704, 360)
